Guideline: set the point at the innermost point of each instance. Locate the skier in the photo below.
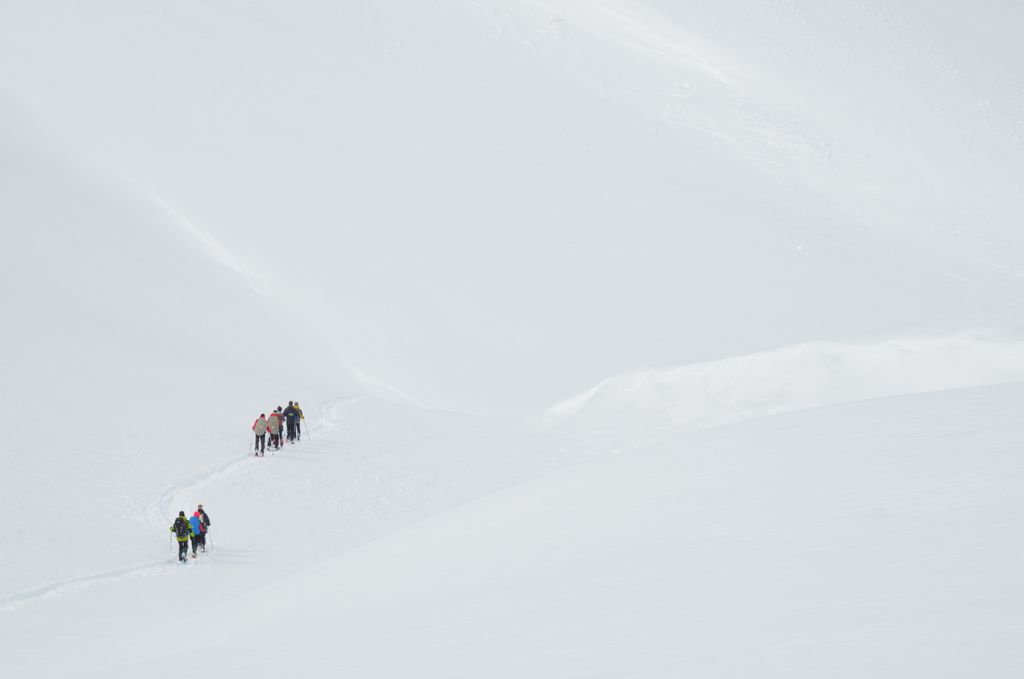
(260, 427)
(289, 418)
(274, 426)
(205, 519)
(281, 420)
(181, 530)
(298, 421)
(196, 527)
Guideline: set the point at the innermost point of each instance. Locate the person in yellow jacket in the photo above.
(182, 530)
(298, 421)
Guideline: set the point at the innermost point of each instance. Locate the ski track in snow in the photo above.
(169, 498)
(165, 501)
(9, 603)
(188, 488)
(182, 494)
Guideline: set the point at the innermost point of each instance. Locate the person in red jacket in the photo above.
(205, 519)
(260, 427)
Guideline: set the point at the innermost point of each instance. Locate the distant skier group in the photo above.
(194, 529)
(282, 420)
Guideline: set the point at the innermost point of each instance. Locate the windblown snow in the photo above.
(635, 338)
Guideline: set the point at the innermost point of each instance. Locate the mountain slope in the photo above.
(137, 354)
(483, 190)
(389, 209)
(857, 539)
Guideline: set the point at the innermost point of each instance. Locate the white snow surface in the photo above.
(490, 205)
(773, 248)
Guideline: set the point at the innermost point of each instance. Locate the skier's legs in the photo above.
(298, 429)
(182, 550)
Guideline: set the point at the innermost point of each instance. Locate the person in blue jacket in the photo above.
(196, 526)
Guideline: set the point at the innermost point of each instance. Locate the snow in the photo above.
(651, 404)
(546, 175)
(635, 338)
(875, 537)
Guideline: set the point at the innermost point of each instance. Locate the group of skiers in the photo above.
(195, 529)
(287, 420)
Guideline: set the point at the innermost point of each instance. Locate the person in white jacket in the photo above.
(260, 426)
(274, 426)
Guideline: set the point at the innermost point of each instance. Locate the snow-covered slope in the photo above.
(877, 538)
(384, 209)
(136, 353)
(491, 205)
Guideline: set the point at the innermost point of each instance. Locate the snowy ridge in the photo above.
(635, 26)
(643, 406)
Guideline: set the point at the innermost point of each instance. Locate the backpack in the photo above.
(181, 527)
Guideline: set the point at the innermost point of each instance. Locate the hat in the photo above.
(181, 513)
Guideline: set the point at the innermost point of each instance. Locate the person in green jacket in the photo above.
(182, 530)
